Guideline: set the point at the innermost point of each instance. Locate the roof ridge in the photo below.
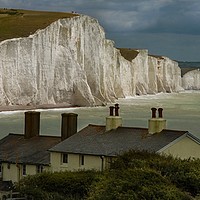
(193, 137)
(96, 125)
(17, 134)
(21, 134)
(174, 130)
(50, 136)
(129, 127)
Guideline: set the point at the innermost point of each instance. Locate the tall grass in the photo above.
(21, 23)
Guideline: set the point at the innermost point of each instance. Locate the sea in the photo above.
(181, 110)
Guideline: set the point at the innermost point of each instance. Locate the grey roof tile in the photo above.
(15, 148)
(94, 140)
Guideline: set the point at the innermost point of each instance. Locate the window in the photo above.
(109, 161)
(81, 160)
(0, 169)
(65, 158)
(24, 170)
(40, 168)
(8, 166)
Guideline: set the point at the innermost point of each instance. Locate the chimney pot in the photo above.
(116, 109)
(112, 110)
(160, 114)
(153, 112)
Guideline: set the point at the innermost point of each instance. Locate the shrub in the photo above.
(66, 184)
(135, 184)
(184, 174)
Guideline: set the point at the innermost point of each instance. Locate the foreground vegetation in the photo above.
(133, 176)
(21, 23)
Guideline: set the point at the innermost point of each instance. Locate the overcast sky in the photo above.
(164, 27)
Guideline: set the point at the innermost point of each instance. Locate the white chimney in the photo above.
(156, 125)
(113, 121)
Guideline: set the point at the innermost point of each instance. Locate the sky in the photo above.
(165, 27)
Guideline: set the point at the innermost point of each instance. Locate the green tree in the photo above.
(135, 184)
(184, 174)
(70, 185)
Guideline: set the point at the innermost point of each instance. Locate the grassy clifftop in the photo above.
(128, 54)
(21, 23)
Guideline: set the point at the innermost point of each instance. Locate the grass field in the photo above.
(16, 23)
(128, 54)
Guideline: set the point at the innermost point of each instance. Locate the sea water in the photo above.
(181, 110)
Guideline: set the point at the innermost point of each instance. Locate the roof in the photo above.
(14, 148)
(94, 140)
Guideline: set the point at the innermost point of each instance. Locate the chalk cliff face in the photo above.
(191, 80)
(164, 75)
(71, 61)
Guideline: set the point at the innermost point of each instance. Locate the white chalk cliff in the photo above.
(191, 80)
(71, 61)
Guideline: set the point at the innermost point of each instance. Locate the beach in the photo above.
(34, 107)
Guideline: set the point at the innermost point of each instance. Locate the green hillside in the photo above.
(21, 23)
(128, 54)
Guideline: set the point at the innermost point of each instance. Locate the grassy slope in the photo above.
(185, 70)
(128, 54)
(21, 23)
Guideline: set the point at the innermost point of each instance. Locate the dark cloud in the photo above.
(178, 47)
(166, 27)
(181, 18)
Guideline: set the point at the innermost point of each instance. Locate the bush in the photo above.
(136, 184)
(71, 185)
(184, 174)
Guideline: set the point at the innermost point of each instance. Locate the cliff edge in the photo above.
(191, 80)
(72, 62)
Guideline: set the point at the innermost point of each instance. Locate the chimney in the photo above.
(116, 109)
(156, 125)
(69, 125)
(153, 111)
(112, 110)
(32, 124)
(113, 121)
(160, 110)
